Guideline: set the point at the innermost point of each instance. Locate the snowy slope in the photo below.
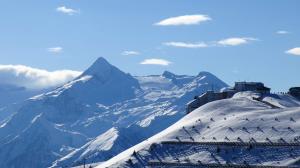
(96, 116)
(11, 94)
(239, 119)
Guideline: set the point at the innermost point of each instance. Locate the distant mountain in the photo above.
(106, 85)
(96, 116)
(235, 132)
(10, 94)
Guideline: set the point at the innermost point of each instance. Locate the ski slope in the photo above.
(238, 131)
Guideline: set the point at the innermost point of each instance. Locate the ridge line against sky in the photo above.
(225, 39)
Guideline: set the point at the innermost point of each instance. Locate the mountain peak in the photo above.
(168, 74)
(99, 67)
(101, 60)
(106, 84)
(205, 73)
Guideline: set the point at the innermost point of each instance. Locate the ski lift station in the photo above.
(210, 96)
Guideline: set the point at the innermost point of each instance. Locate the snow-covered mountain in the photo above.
(10, 94)
(235, 132)
(96, 116)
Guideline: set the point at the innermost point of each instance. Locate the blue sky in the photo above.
(71, 34)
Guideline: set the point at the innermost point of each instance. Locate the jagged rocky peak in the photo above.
(168, 74)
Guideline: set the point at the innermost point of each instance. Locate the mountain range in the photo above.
(94, 117)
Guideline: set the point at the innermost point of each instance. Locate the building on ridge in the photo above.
(210, 96)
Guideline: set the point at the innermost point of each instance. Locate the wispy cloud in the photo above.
(282, 32)
(131, 53)
(186, 45)
(33, 78)
(155, 61)
(65, 10)
(234, 41)
(294, 51)
(55, 50)
(183, 20)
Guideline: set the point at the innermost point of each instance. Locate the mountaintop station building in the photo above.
(210, 96)
(295, 91)
(251, 86)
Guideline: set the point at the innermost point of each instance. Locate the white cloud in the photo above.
(131, 53)
(66, 10)
(282, 32)
(183, 20)
(234, 41)
(33, 78)
(294, 51)
(155, 61)
(186, 45)
(55, 50)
